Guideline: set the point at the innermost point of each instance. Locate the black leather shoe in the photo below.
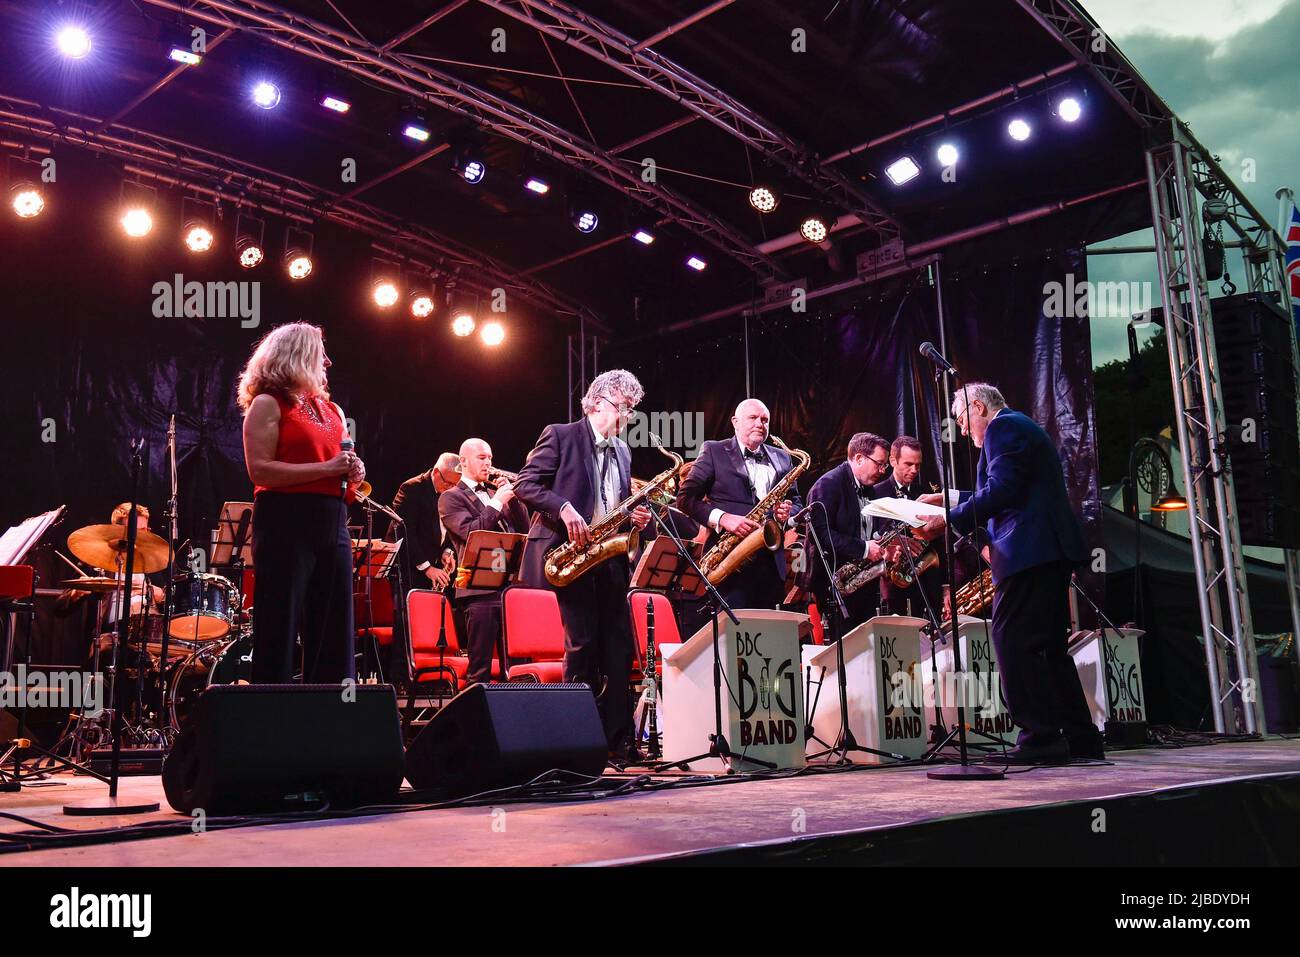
(1087, 750)
(1058, 752)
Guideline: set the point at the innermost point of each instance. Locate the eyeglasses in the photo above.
(880, 463)
(621, 407)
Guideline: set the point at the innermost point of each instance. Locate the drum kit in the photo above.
(201, 636)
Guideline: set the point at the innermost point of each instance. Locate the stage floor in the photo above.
(1147, 798)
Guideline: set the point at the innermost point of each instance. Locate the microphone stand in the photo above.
(718, 745)
(846, 742)
(964, 770)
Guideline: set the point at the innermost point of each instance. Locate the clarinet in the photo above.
(651, 685)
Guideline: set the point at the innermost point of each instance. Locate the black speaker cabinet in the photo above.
(251, 748)
(499, 735)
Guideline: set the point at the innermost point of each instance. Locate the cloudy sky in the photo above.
(1230, 69)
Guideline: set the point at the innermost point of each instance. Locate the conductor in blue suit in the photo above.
(1035, 542)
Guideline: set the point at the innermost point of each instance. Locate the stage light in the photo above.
(762, 199)
(188, 57)
(537, 186)
(1069, 109)
(696, 263)
(198, 239)
(902, 170)
(420, 299)
(250, 253)
(814, 229)
(248, 240)
(28, 200)
(947, 155)
(473, 172)
(385, 293)
(73, 41)
(298, 245)
(197, 218)
(586, 221)
(266, 94)
(493, 334)
(335, 104)
(644, 237)
(137, 222)
(463, 324)
(416, 132)
(1019, 130)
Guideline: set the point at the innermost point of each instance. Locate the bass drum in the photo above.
(221, 663)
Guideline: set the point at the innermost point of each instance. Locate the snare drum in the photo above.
(203, 607)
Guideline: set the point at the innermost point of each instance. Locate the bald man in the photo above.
(728, 479)
(469, 506)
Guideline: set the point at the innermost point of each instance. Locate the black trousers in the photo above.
(482, 633)
(303, 558)
(1031, 622)
(861, 604)
(756, 584)
(598, 647)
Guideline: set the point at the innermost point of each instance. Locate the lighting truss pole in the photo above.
(415, 77)
(584, 355)
(1222, 594)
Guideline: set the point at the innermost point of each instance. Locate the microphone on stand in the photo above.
(934, 355)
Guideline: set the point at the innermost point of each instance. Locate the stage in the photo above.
(1223, 804)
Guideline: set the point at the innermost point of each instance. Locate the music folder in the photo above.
(491, 560)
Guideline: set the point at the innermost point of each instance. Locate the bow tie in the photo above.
(603, 444)
(864, 493)
(758, 455)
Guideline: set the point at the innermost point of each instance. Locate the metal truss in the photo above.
(1222, 594)
(584, 354)
(345, 50)
(242, 184)
(601, 41)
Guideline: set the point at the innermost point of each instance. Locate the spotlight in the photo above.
(902, 170)
(72, 41)
(298, 246)
(586, 221)
(266, 95)
(248, 240)
(385, 293)
(947, 154)
(1019, 130)
(493, 334)
(696, 263)
(1069, 109)
(762, 199)
(27, 200)
(473, 172)
(416, 132)
(181, 55)
(137, 222)
(463, 324)
(198, 218)
(421, 299)
(335, 104)
(814, 229)
(644, 237)
(537, 186)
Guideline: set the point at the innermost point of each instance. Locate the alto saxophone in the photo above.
(732, 550)
(566, 563)
(972, 597)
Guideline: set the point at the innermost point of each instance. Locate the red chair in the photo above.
(666, 629)
(428, 611)
(381, 604)
(815, 617)
(534, 630)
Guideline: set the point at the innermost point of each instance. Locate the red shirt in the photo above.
(310, 431)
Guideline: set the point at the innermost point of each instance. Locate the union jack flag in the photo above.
(1293, 261)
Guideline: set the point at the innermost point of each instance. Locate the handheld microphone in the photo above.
(347, 445)
(934, 355)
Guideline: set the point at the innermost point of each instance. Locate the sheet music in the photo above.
(18, 540)
(905, 510)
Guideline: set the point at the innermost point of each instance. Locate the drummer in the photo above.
(156, 595)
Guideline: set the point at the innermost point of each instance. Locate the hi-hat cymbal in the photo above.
(97, 584)
(103, 545)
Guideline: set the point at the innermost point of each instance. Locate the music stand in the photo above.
(233, 536)
(662, 568)
(489, 562)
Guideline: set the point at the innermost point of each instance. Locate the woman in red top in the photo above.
(293, 436)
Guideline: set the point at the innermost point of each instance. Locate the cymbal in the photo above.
(101, 545)
(97, 584)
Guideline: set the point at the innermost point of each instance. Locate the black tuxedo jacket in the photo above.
(462, 512)
(719, 479)
(417, 502)
(889, 489)
(838, 517)
(562, 468)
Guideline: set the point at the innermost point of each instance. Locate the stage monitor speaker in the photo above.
(498, 735)
(253, 748)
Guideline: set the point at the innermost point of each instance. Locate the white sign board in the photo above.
(1111, 674)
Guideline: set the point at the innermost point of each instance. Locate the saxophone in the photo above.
(972, 597)
(851, 576)
(566, 563)
(731, 550)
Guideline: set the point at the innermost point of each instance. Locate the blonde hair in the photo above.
(122, 511)
(288, 359)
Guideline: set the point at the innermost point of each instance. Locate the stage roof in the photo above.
(813, 100)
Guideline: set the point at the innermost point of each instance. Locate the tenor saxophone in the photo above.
(566, 563)
(972, 597)
(732, 550)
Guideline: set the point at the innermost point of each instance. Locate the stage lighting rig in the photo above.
(249, 246)
(198, 220)
(137, 203)
(383, 283)
(73, 41)
(696, 263)
(463, 324)
(902, 170)
(493, 334)
(1069, 109)
(420, 297)
(947, 154)
(298, 244)
(1019, 129)
(763, 199)
(816, 227)
(265, 94)
(26, 196)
